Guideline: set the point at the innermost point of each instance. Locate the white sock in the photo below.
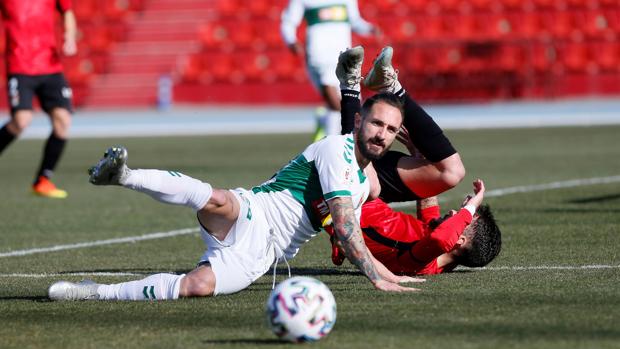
(332, 124)
(170, 187)
(158, 286)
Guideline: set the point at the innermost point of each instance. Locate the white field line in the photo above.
(553, 267)
(509, 268)
(151, 236)
(161, 235)
(532, 188)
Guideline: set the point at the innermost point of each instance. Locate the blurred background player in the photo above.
(329, 25)
(34, 68)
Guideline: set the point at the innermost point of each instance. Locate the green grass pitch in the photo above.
(501, 307)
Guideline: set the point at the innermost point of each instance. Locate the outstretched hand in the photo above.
(478, 196)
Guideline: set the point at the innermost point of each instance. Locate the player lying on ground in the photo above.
(246, 231)
(390, 234)
(430, 244)
(402, 177)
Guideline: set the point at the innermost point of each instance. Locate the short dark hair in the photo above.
(387, 98)
(486, 240)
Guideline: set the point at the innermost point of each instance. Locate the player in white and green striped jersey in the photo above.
(246, 231)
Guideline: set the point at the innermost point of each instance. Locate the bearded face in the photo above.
(377, 130)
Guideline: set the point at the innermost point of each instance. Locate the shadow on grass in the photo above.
(281, 271)
(140, 271)
(601, 198)
(248, 341)
(40, 299)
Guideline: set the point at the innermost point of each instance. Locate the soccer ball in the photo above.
(301, 309)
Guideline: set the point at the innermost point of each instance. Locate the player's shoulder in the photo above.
(332, 149)
(338, 140)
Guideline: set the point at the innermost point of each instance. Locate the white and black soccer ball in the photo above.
(301, 309)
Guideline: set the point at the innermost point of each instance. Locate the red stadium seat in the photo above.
(511, 58)
(253, 66)
(116, 9)
(417, 6)
(550, 4)
(526, 25)
(574, 57)
(241, 33)
(606, 56)
(541, 56)
(450, 5)
(514, 5)
(561, 24)
(192, 69)
(267, 34)
(2, 42)
(213, 35)
(429, 27)
(597, 25)
(85, 9)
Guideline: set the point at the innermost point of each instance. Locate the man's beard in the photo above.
(362, 146)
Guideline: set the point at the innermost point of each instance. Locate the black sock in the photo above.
(51, 154)
(349, 105)
(6, 138)
(425, 134)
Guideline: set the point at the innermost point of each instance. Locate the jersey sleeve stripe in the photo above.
(336, 193)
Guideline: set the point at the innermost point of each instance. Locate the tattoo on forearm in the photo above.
(428, 202)
(349, 233)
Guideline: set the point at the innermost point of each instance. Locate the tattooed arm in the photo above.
(348, 232)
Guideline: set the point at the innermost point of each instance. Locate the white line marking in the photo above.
(152, 236)
(554, 267)
(531, 188)
(22, 275)
(161, 235)
(513, 268)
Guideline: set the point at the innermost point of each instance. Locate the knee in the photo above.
(454, 175)
(452, 170)
(61, 121)
(19, 122)
(196, 286)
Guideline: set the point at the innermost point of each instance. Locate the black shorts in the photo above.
(52, 90)
(392, 187)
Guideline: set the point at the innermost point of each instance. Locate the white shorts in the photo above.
(247, 252)
(323, 74)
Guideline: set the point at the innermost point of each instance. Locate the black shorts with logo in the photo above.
(52, 90)
(392, 187)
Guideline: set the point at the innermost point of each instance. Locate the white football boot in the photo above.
(349, 68)
(69, 291)
(382, 77)
(111, 169)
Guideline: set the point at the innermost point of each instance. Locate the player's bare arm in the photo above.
(70, 25)
(348, 232)
(428, 202)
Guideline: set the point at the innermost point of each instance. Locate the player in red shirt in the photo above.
(428, 244)
(34, 68)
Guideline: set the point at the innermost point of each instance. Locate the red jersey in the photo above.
(30, 35)
(406, 245)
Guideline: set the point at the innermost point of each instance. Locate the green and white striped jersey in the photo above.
(295, 198)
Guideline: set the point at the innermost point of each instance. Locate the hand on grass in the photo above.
(387, 286)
